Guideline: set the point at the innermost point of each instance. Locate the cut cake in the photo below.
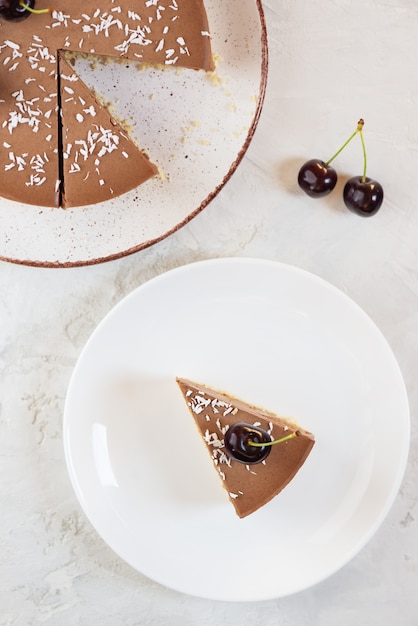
(35, 167)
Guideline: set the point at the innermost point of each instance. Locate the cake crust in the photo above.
(249, 487)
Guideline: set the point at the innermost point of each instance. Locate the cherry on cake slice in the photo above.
(255, 452)
(99, 160)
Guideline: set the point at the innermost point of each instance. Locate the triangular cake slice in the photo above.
(99, 159)
(249, 486)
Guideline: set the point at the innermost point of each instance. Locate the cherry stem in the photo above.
(272, 443)
(359, 129)
(363, 180)
(25, 6)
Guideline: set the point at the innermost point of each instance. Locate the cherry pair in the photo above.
(362, 195)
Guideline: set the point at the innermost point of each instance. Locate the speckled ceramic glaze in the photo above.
(196, 127)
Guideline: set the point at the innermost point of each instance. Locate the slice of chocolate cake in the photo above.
(236, 434)
(99, 159)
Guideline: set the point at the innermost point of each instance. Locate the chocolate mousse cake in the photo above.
(249, 483)
(54, 133)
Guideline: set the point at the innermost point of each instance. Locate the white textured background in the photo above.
(330, 63)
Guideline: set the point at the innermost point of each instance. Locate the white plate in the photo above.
(195, 129)
(276, 336)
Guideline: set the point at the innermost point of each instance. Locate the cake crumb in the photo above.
(161, 174)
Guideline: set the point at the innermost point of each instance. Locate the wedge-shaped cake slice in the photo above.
(249, 486)
(99, 160)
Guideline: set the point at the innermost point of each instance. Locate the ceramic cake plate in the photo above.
(195, 127)
(277, 337)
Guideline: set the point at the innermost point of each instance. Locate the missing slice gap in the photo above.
(60, 190)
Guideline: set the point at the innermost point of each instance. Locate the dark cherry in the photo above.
(316, 178)
(12, 10)
(363, 196)
(237, 444)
